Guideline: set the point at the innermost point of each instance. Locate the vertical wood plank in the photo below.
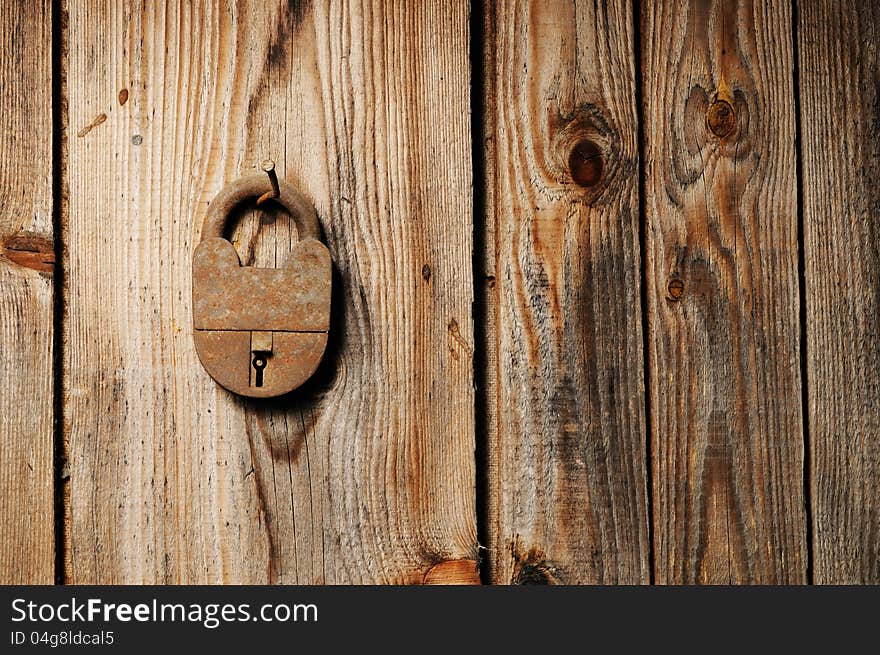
(840, 114)
(722, 286)
(27, 532)
(567, 478)
(364, 476)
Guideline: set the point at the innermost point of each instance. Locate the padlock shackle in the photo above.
(253, 186)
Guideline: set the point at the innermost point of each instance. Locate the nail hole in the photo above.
(585, 163)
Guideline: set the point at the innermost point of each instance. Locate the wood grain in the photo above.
(721, 275)
(27, 527)
(567, 485)
(840, 115)
(366, 475)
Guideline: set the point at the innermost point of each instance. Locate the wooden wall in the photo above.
(605, 306)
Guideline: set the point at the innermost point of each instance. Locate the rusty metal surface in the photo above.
(229, 296)
(269, 168)
(227, 356)
(261, 332)
(254, 186)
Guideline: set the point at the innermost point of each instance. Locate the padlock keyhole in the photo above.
(259, 364)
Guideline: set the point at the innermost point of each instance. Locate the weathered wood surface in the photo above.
(367, 474)
(567, 486)
(27, 533)
(840, 114)
(723, 307)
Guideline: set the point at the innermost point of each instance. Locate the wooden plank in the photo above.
(839, 68)
(27, 523)
(364, 476)
(722, 285)
(566, 457)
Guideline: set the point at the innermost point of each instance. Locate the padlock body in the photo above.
(232, 302)
(229, 296)
(227, 356)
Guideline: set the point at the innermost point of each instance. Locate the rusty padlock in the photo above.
(261, 332)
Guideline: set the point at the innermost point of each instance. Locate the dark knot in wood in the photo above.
(721, 118)
(585, 163)
(30, 251)
(675, 289)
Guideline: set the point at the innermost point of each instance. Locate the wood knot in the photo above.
(721, 118)
(675, 289)
(453, 572)
(30, 251)
(585, 163)
(532, 568)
